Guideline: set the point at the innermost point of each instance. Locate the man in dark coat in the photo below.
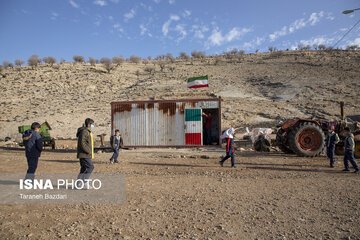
(33, 146)
(85, 149)
(331, 140)
(349, 148)
(116, 142)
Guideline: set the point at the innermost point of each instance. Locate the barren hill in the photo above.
(257, 89)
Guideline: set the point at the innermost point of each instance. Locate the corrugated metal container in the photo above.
(166, 123)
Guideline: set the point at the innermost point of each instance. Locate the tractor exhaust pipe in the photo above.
(342, 110)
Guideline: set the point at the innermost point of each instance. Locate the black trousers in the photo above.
(32, 166)
(86, 168)
(232, 156)
(330, 153)
(115, 155)
(349, 156)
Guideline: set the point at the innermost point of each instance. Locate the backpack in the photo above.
(26, 135)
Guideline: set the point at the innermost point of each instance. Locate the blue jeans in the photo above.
(349, 156)
(32, 166)
(115, 155)
(86, 168)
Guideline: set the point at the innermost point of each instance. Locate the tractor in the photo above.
(306, 137)
(44, 132)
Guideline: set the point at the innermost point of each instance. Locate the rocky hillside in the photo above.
(257, 89)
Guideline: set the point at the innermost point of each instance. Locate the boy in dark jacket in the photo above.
(85, 149)
(116, 142)
(349, 148)
(33, 146)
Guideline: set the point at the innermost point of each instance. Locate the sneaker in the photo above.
(221, 163)
(346, 170)
(86, 187)
(357, 171)
(233, 166)
(116, 161)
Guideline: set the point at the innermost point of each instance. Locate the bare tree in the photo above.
(135, 59)
(19, 62)
(303, 47)
(169, 57)
(34, 61)
(162, 65)
(137, 73)
(49, 60)
(198, 54)
(150, 70)
(145, 62)
(321, 47)
(92, 61)
(184, 56)
(272, 49)
(1, 71)
(352, 47)
(118, 60)
(78, 59)
(7, 64)
(106, 62)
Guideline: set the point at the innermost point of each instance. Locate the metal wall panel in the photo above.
(154, 123)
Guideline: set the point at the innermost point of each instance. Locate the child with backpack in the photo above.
(33, 143)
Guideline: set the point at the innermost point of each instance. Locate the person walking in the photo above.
(85, 149)
(33, 143)
(116, 143)
(349, 148)
(230, 147)
(331, 140)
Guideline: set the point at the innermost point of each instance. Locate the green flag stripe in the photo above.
(192, 115)
(198, 78)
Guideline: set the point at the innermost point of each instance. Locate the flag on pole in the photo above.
(198, 82)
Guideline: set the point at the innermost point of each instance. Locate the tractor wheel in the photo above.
(307, 139)
(280, 143)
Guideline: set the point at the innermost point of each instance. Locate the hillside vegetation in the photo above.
(257, 89)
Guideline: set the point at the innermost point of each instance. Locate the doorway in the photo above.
(211, 126)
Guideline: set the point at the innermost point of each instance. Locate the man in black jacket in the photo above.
(85, 149)
(33, 146)
(349, 148)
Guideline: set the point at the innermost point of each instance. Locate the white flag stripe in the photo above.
(197, 82)
(193, 126)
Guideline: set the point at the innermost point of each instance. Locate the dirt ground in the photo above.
(185, 194)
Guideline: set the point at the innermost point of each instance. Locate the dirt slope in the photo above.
(257, 90)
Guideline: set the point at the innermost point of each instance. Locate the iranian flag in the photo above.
(198, 82)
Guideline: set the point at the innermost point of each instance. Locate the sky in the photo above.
(107, 28)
